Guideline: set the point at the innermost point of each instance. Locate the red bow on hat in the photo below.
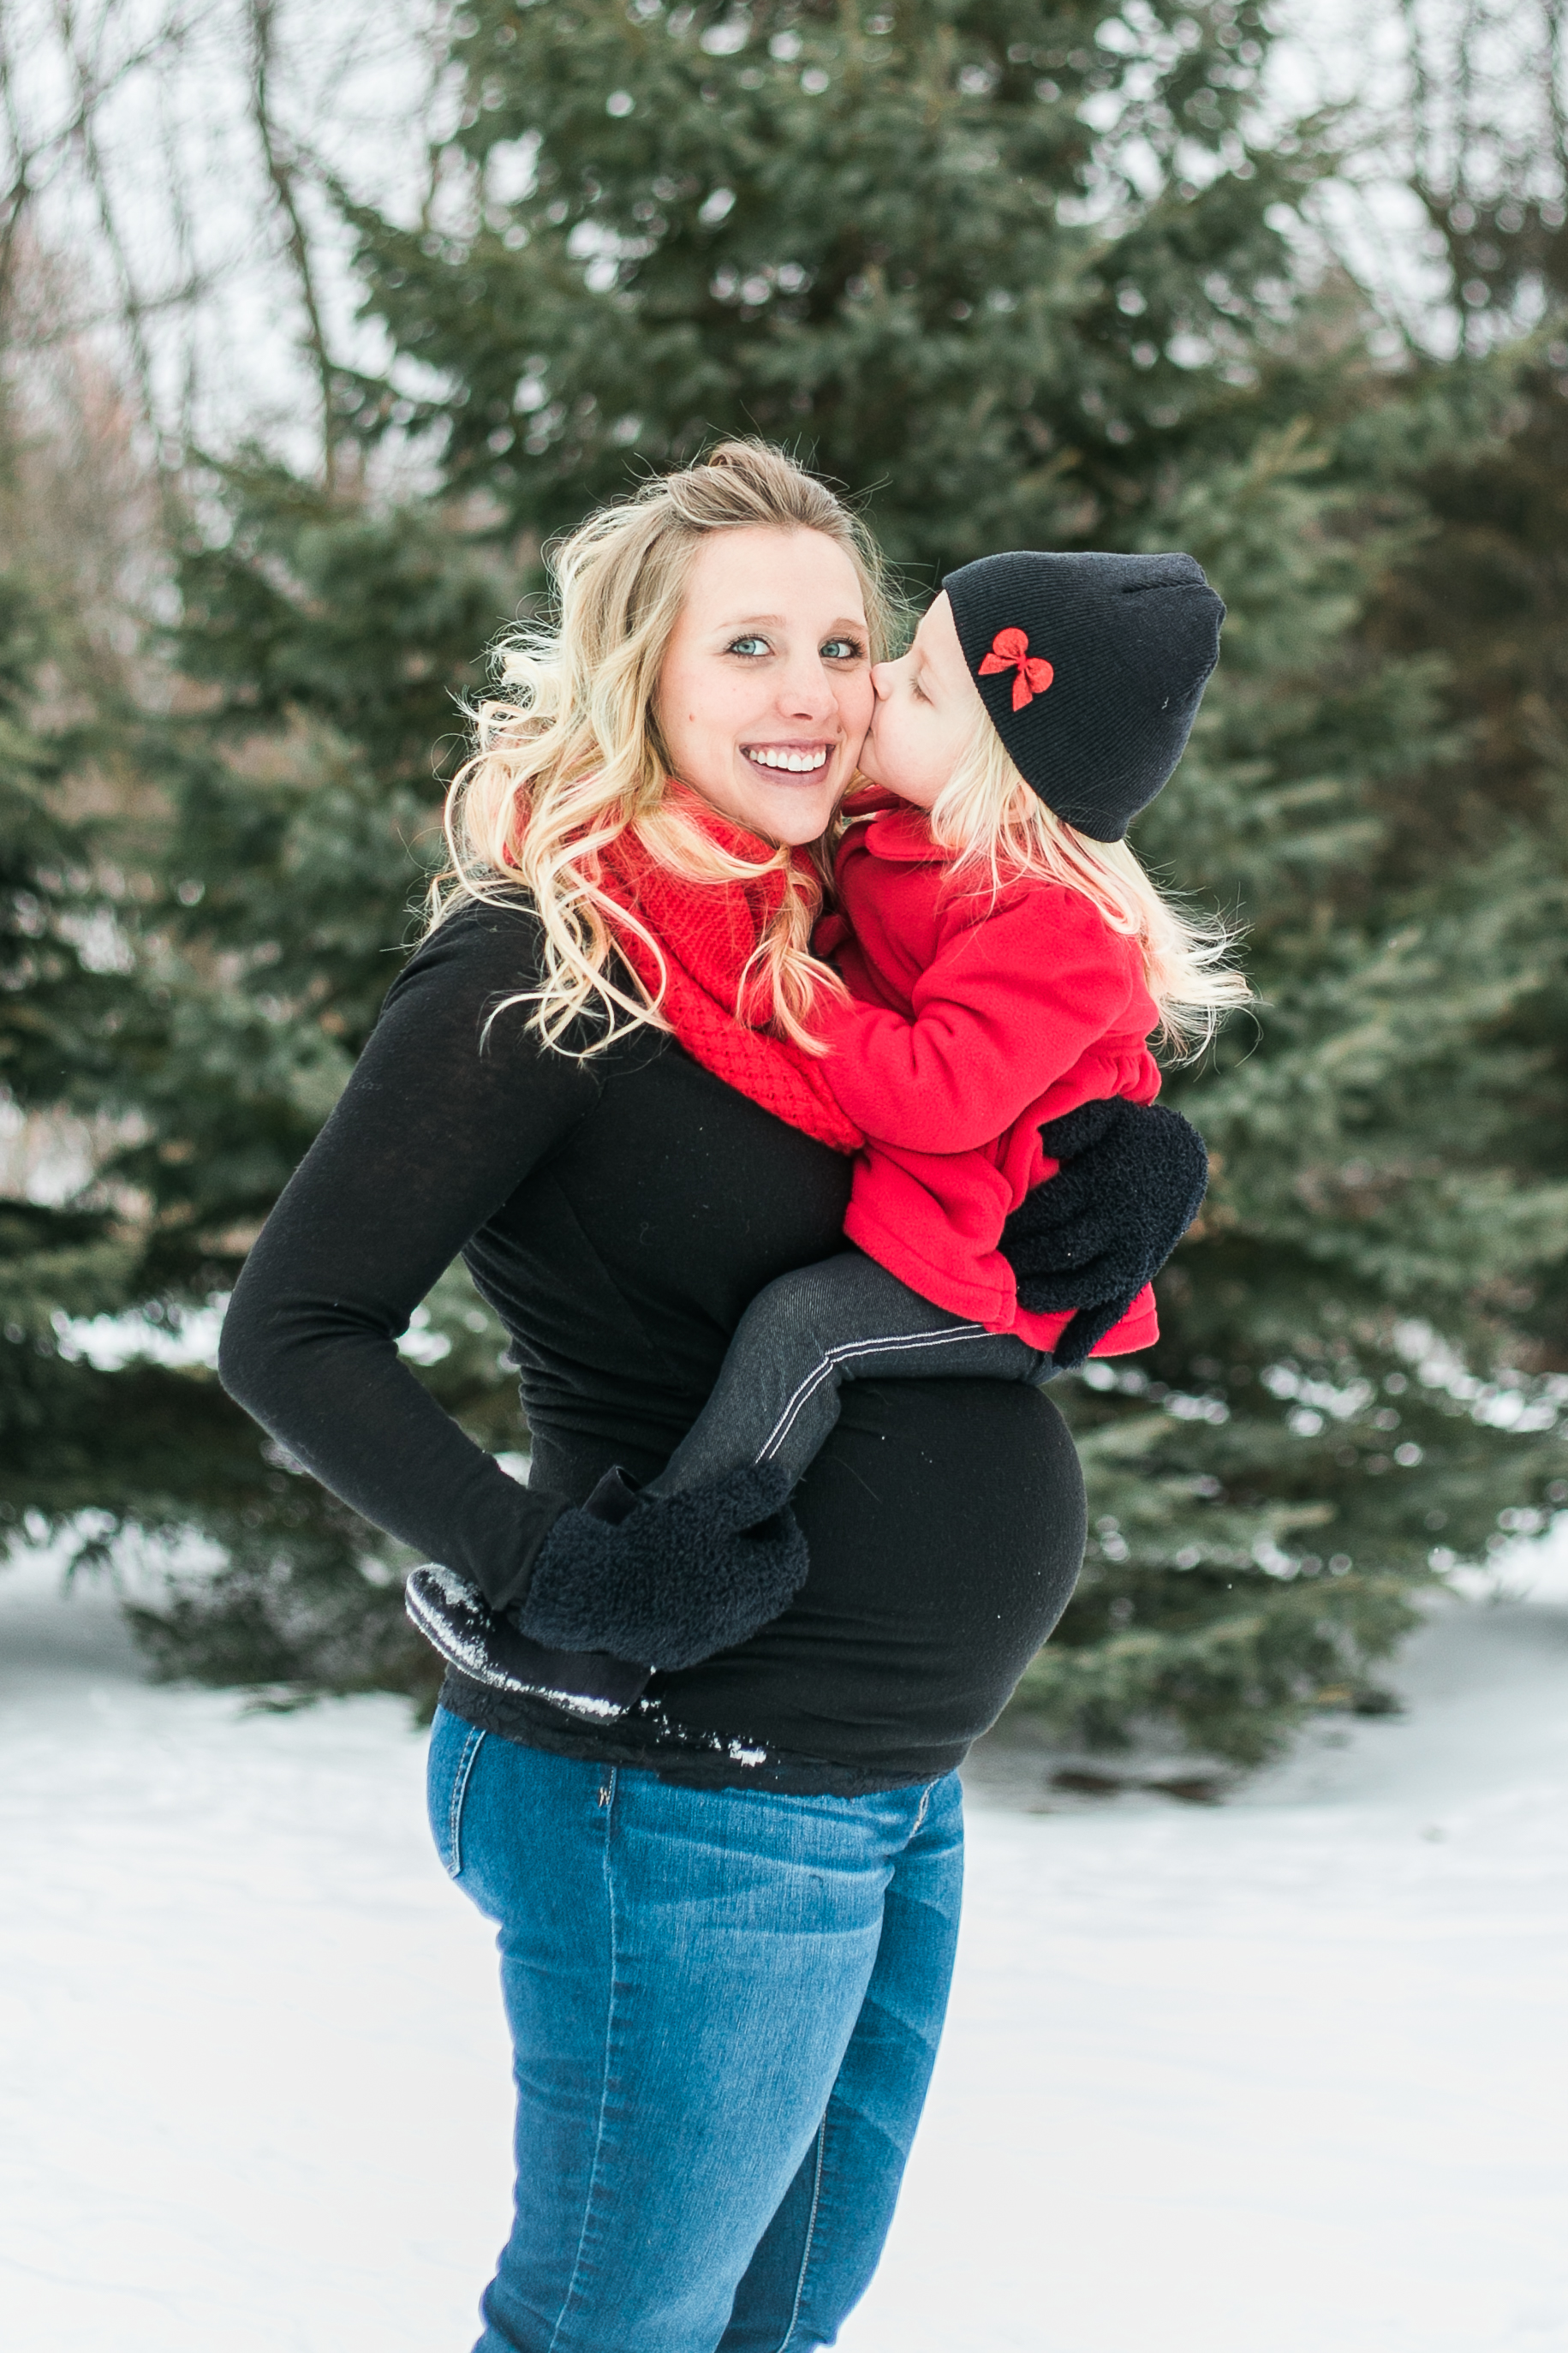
(1010, 650)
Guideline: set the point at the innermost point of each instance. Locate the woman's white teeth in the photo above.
(799, 763)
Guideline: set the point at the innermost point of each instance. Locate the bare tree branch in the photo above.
(282, 173)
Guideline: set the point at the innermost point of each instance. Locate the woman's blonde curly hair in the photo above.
(567, 755)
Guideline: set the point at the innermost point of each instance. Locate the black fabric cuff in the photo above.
(508, 1589)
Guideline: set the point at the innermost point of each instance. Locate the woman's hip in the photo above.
(561, 1838)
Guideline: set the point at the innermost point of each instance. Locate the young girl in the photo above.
(1006, 960)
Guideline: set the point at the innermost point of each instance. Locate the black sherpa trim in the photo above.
(1131, 1180)
(679, 1579)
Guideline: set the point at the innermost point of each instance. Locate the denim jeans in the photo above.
(725, 2006)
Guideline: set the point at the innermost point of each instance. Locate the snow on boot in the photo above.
(491, 1649)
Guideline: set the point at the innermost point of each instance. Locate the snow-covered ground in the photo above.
(1280, 2076)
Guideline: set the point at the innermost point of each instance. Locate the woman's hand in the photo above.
(1132, 1179)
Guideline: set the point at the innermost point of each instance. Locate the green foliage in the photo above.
(1360, 1378)
(892, 240)
(331, 644)
(210, 1014)
(323, 649)
(93, 1447)
(925, 274)
(1019, 277)
(51, 1019)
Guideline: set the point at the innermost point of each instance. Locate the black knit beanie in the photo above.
(1092, 668)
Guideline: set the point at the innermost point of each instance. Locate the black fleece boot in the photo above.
(490, 1647)
(680, 1577)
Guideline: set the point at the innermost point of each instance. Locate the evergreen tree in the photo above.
(1490, 590)
(891, 241)
(1325, 1417)
(49, 1258)
(100, 1020)
(1016, 274)
(1386, 1247)
(64, 1009)
(77, 1438)
(328, 642)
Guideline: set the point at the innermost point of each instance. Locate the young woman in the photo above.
(727, 1919)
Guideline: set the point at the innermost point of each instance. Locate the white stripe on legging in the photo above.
(824, 1368)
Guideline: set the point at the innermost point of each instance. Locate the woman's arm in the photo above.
(431, 1136)
(1008, 1004)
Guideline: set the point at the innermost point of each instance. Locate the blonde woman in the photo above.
(726, 1913)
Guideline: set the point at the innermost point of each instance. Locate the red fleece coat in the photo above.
(972, 1021)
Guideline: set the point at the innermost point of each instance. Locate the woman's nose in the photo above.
(809, 691)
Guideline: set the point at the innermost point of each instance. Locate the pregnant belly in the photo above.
(946, 1526)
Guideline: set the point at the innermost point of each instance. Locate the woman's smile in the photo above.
(806, 760)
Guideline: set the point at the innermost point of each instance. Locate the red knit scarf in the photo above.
(708, 932)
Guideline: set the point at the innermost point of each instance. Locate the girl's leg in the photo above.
(696, 1531)
(776, 1397)
(819, 2252)
(684, 1970)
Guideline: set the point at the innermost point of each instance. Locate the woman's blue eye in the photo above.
(842, 650)
(749, 645)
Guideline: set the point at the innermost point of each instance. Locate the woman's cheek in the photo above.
(857, 702)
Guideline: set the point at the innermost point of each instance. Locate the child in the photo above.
(1006, 960)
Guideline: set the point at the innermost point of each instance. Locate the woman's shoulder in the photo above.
(480, 947)
(482, 956)
(479, 972)
(471, 931)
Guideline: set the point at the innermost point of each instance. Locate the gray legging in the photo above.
(846, 1319)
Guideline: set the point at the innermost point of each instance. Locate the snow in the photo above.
(1276, 2076)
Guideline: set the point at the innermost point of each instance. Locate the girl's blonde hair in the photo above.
(1003, 831)
(568, 756)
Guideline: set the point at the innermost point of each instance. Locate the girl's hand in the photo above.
(1132, 1179)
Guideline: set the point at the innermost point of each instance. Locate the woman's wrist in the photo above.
(510, 1590)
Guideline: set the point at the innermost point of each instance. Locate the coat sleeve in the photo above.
(1008, 1004)
(437, 1126)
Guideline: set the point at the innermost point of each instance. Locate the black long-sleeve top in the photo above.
(619, 1214)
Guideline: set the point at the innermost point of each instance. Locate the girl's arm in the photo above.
(1009, 1003)
(430, 1138)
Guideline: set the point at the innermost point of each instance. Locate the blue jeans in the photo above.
(725, 2006)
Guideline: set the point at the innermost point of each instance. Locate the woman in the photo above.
(726, 1919)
